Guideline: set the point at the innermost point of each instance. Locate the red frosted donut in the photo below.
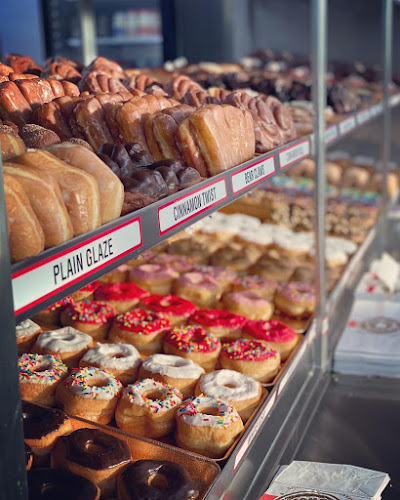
(51, 314)
(222, 324)
(177, 310)
(195, 343)
(121, 296)
(277, 334)
(89, 316)
(143, 329)
(254, 358)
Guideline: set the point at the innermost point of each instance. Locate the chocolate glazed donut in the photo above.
(47, 484)
(155, 480)
(39, 421)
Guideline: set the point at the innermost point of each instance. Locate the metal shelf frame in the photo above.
(276, 430)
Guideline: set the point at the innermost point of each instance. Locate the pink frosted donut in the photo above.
(295, 299)
(155, 278)
(197, 287)
(248, 304)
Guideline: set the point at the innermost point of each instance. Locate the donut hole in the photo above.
(153, 395)
(40, 368)
(95, 448)
(197, 338)
(214, 412)
(158, 482)
(230, 386)
(67, 337)
(116, 355)
(97, 383)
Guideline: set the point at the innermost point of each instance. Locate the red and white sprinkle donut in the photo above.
(296, 299)
(90, 393)
(251, 357)
(39, 376)
(207, 425)
(143, 329)
(89, 316)
(176, 309)
(195, 343)
(222, 324)
(147, 408)
(121, 296)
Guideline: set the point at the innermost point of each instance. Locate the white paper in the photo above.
(387, 269)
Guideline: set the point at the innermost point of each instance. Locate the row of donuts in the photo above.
(88, 462)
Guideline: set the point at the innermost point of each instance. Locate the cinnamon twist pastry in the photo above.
(64, 60)
(23, 64)
(179, 85)
(283, 117)
(61, 71)
(90, 118)
(103, 65)
(13, 105)
(20, 76)
(139, 82)
(96, 82)
(198, 98)
(5, 70)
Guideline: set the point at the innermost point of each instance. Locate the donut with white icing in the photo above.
(67, 344)
(90, 393)
(147, 408)
(242, 392)
(121, 360)
(155, 278)
(248, 304)
(39, 376)
(26, 333)
(176, 371)
(207, 425)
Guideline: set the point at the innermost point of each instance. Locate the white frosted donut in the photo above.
(65, 339)
(40, 369)
(298, 242)
(172, 366)
(136, 394)
(347, 246)
(113, 356)
(229, 385)
(190, 412)
(93, 383)
(26, 328)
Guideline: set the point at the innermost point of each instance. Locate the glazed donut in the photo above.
(259, 285)
(121, 296)
(221, 324)
(295, 299)
(248, 304)
(275, 270)
(195, 343)
(155, 278)
(51, 315)
(222, 275)
(147, 408)
(180, 263)
(86, 292)
(121, 360)
(60, 484)
(93, 454)
(42, 428)
(67, 344)
(89, 316)
(207, 425)
(176, 309)
(28, 457)
(26, 333)
(243, 393)
(172, 370)
(236, 256)
(155, 480)
(253, 358)
(39, 376)
(90, 393)
(200, 288)
(144, 330)
(279, 336)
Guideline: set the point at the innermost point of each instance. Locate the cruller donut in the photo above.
(207, 425)
(90, 317)
(176, 309)
(221, 324)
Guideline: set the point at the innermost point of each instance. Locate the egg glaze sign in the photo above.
(51, 275)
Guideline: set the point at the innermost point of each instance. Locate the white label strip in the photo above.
(346, 125)
(252, 174)
(294, 153)
(176, 212)
(363, 116)
(46, 278)
(254, 431)
(331, 134)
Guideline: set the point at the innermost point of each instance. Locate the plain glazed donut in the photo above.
(221, 324)
(90, 317)
(67, 344)
(207, 425)
(172, 370)
(197, 287)
(26, 333)
(295, 299)
(253, 358)
(121, 296)
(248, 304)
(155, 278)
(121, 360)
(243, 393)
(176, 309)
(279, 336)
(47, 484)
(155, 480)
(195, 343)
(143, 329)
(39, 376)
(147, 408)
(93, 454)
(90, 393)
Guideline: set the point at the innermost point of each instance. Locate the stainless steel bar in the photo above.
(12, 457)
(88, 31)
(319, 65)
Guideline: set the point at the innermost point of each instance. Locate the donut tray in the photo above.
(273, 382)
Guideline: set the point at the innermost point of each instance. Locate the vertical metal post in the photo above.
(88, 31)
(319, 57)
(387, 27)
(12, 457)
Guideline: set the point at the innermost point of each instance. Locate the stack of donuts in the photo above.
(87, 463)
